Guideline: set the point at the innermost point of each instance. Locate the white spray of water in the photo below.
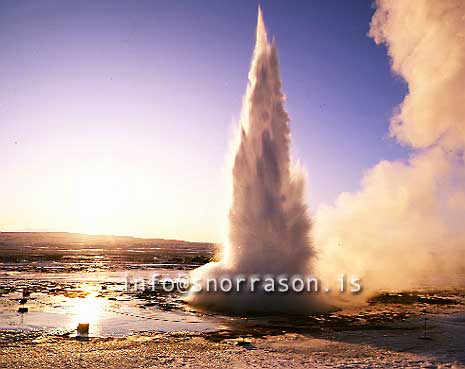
(269, 227)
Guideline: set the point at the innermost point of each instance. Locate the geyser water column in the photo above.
(269, 227)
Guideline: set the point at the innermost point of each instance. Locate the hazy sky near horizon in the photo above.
(117, 116)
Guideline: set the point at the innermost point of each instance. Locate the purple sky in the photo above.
(117, 116)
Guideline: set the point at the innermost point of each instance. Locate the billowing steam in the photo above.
(406, 225)
(268, 221)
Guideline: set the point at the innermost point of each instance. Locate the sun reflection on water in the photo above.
(88, 310)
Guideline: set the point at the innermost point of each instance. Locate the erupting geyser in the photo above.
(269, 227)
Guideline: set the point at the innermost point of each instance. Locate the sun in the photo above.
(100, 199)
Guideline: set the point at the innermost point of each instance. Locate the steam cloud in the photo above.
(406, 225)
(268, 221)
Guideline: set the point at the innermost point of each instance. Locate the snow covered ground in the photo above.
(397, 344)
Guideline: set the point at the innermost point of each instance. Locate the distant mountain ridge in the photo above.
(80, 239)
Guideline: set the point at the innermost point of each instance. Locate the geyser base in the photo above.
(248, 297)
(259, 303)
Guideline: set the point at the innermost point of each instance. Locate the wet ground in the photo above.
(59, 301)
(127, 327)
